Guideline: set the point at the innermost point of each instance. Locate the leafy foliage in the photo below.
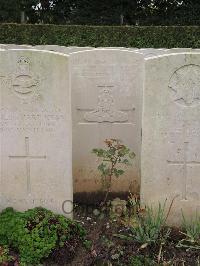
(149, 226)
(191, 232)
(37, 232)
(112, 12)
(140, 260)
(115, 154)
(10, 10)
(4, 255)
(156, 37)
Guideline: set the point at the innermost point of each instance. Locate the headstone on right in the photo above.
(171, 133)
(180, 50)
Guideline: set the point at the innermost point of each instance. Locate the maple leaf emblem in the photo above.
(185, 84)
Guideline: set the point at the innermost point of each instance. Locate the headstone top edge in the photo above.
(156, 57)
(34, 50)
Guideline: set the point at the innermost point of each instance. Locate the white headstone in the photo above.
(107, 103)
(54, 48)
(17, 46)
(133, 49)
(2, 46)
(74, 49)
(151, 52)
(180, 50)
(62, 49)
(35, 130)
(120, 48)
(171, 133)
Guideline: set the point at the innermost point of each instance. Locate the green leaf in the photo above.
(126, 161)
(99, 152)
(112, 151)
(117, 172)
(120, 172)
(132, 155)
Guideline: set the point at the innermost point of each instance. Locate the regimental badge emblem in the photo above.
(24, 83)
(185, 85)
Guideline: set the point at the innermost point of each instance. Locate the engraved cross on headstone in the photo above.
(27, 157)
(185, 163)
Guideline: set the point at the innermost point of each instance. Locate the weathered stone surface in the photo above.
(17, 46)
(150, 52)
(119, 48)
(180, 50)
(53, 48)
(35, 130)
(62, 49)
(107, 102)
(73, 49)
(2, 46)
(171, 133)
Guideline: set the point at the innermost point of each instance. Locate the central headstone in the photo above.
(35, 130)
(107, 102)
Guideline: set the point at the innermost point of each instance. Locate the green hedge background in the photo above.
(96, 36)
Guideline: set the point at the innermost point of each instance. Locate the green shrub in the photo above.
(36, 233)
(114, 36)
(112, 158)
(4, 255)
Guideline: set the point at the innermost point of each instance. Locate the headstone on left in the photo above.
(17, 46)
(2, 46)
(35, 130)
(62, 49)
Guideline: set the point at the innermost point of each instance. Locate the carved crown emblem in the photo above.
(24, 83)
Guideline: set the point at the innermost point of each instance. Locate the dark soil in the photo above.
(106, 249)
